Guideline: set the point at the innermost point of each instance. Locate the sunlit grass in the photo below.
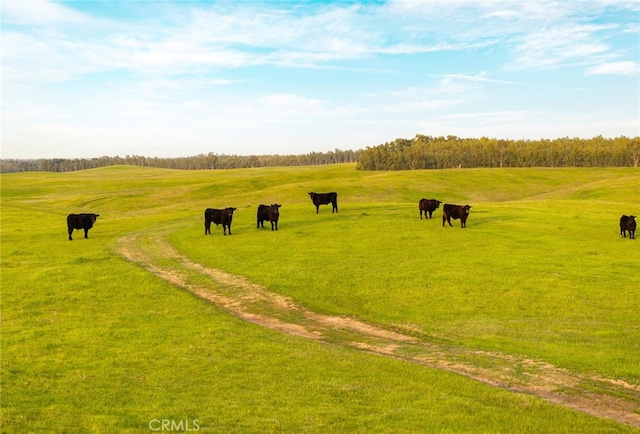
(91, 342)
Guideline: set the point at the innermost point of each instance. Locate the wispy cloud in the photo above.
(205, 37)
(561, 46)
(218, 70)
(41, 12)
(627, 68)
(481, 77)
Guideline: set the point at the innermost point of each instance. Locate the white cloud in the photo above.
(627, 68)
(556, 46)
(232, 72)
(481, 77)
(40, 12)
(202, 38)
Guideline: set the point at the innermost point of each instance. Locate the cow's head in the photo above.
(274, 209)
(94, 217)
(230, 210)
(437, 203)
(466, 209)
(312, 194)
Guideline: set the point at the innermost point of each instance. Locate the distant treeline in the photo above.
(421, 152)
(197, 162)
(427, 152)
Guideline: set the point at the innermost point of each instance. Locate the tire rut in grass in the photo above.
(601, 397)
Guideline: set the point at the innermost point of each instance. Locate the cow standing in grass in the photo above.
(325, 199)
(428, 205)
(81, 221)
(628, 223)
(218, 216)
(456, 212)
(269, 213)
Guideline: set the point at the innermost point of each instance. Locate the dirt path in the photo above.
(601, 397)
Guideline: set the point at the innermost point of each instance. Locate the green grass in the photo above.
(540, 270)
(91, 342)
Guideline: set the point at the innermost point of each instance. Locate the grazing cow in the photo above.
(428, 205)
(81, 221)
(628, 223)
(218, 216)
(457, 212)
(325, 199)
(270, 213)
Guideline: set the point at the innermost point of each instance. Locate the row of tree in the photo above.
(201, 161)
(421, 152)
(427, 152)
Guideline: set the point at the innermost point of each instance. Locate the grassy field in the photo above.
(94, 343)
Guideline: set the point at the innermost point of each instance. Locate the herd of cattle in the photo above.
(271, 214)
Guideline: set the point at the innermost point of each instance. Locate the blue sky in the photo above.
(179, 78)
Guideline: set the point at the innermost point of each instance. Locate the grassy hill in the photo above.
(92, 342)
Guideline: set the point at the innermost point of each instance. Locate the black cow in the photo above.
(428, 205)
(628, 223)
(325, 199)
(457, 212)
(81, 221)
(270, 213)
(218, 216)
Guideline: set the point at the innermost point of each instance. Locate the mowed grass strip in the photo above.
(91, 342)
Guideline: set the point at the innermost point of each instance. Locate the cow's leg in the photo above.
(86, 233)
(70, 232)
(317, 208)
(207, 228)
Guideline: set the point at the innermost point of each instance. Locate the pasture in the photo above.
(538, 283)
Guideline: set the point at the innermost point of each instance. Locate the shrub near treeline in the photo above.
(427, 152)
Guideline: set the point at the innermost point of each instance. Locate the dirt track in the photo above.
(601, 397)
